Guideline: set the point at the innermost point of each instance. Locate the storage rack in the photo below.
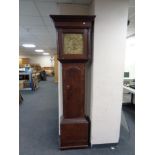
(28, 76)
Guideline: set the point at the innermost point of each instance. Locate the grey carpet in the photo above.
(39, 126)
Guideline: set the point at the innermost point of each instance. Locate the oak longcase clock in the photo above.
(74, 45)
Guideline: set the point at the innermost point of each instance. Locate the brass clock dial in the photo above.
(73, 43)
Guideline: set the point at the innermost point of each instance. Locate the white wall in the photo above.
(44, 61)
(60, 96)
(107, 70)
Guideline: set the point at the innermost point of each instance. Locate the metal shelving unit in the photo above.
(29, 74)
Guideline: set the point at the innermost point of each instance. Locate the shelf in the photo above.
(24, 73)
(26, 89)
(28, 77)
(131, 90)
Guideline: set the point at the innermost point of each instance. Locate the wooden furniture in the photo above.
(20, 98)
(48, 70)
(36, 71)
(74, 50)
(55, 68)
(26, 79)
(35, 81)
(24, 61)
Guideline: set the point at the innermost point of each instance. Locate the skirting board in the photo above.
(104, 145)
(93, 146)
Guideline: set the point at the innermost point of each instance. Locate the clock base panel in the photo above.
(74, 133)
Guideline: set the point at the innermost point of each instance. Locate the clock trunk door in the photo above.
(73, 90)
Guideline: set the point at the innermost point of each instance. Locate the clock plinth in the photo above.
(74, 133)
(74, 43)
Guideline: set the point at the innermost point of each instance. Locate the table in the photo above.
(131, 90)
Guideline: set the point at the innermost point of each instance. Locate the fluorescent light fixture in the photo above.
(39, 50)
(45, 53)
(29, 45)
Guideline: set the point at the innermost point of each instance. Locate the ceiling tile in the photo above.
(40, 30)
(131, 3)
(27, 39)
(47, 8)
(48, 22)
(31, 21)
(131, 11)
(75, 1)
(132, 20)
(82, 1)
(27, 8)
(65, 1)
(51, 30)
(41, 0)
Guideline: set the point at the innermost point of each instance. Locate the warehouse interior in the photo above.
(40, 77)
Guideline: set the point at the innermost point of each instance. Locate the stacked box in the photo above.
(26, 84)
(35, 81)
(21, 84)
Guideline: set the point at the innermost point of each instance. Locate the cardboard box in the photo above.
(21, 84)
(26, 84)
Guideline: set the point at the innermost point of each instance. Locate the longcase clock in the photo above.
(74, 45)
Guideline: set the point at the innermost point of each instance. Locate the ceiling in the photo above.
(37, 28)
(131, 18)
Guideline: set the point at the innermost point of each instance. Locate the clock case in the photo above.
(74, 125)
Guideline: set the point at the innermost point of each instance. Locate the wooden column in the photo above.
(55, 68)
